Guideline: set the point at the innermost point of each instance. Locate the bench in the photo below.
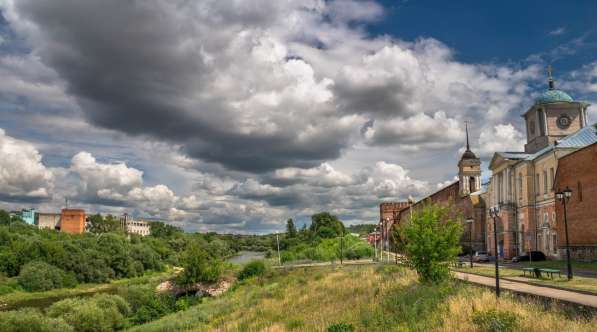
(551, 272)
(458, 263)
(530, 270)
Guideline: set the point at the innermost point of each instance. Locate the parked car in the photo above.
(481, 256)
(535, 256)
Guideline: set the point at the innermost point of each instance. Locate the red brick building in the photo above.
(72, 221)
(578, 172)
(464, 195)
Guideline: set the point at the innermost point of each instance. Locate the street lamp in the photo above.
(470, 238)
(494, 212)
(564, 197)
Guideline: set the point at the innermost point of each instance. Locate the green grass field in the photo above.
(370, 298)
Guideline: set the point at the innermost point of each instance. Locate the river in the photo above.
(246, 256)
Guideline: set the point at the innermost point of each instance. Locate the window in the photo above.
(537, 190)
(551, 177)
(519, 186)
(510, 186)
(555, 243)
(545, 185)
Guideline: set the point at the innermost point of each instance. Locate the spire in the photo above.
(468, 148)
(550, 78)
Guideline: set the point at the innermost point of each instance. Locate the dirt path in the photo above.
(562, 295)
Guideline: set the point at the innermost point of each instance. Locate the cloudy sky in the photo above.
(235, 115)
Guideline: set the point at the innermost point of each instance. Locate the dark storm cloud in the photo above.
(147, 68)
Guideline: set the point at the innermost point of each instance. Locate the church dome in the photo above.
(553, 96)
(468, 154)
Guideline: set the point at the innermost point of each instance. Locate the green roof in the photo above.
(553, 96)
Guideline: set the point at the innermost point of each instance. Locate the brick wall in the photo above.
(72, 221)
(578, 171)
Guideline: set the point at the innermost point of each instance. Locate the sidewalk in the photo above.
(557, 294)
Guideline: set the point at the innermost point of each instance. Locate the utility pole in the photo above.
(278, 242)
(341, 248)
(494, 212)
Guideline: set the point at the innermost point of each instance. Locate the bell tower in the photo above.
(469, 170)
(554, 116)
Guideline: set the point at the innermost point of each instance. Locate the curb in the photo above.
(585, 292)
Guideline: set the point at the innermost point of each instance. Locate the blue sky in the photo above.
(498, 31)
(234, 116)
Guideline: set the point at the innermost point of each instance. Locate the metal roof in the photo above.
(553, 96)
(581, 138)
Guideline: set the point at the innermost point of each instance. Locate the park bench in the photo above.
(530, 270)
(458, 263)
(551, 272)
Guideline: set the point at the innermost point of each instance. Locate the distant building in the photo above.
(132, 226)
(28, 216)
(48, 220)
(465, 195)
(577, 171)
(72, 221)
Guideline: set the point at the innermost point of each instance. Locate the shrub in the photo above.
(31, 320)
(40, 276)
(432, 241)
(146, 304)
(98, 313)
(198, 266)
(252, 269)
(495, 321)
(341, 327)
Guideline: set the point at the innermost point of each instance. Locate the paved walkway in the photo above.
(563, 295)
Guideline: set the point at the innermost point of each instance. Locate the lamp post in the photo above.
(470, 238)
(564, 197)
(494, 213)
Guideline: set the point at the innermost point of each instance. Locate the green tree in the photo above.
(433, 240)
(40, 276)
(4, 218)
(198, 266)
(31, 320)
(99, 313)
(326, 225)
(98, 224)
(162, 230)
(290, 228)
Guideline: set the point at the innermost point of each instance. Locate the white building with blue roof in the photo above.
(522, 182)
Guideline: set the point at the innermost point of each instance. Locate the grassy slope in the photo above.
(369, 297)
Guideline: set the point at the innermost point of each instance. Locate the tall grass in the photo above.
(384, 298)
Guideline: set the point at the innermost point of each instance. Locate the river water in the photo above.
(246, 256)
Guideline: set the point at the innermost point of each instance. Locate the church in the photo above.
(466, 196)
(523, 183)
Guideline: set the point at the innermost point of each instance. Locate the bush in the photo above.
(252, 269)
(99, 313)
(432, 241)
(495, 321)
(341, 327)
(31, 320)
(146, 304)
(198, 266)
(40, 276)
